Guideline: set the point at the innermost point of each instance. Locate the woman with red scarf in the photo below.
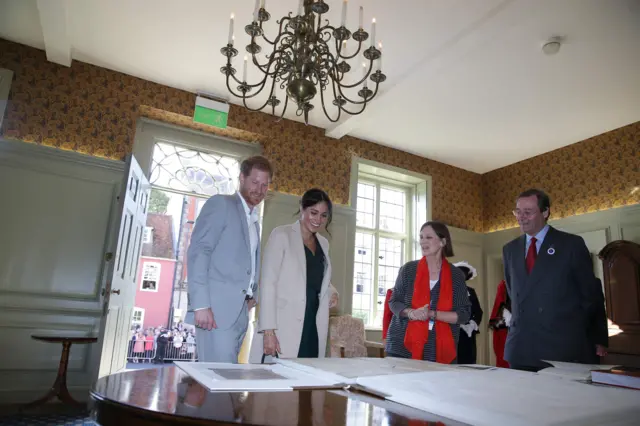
(429, 302)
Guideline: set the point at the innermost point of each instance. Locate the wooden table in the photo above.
(169, 396)
(59, 388)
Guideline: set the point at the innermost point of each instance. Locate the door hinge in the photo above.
(108, 256)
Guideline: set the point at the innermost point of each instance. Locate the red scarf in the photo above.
(418, 331)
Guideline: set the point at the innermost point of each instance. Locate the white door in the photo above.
(121, 270)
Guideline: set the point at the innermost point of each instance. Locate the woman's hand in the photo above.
(333, 302)
(271, 346)
(420, 314)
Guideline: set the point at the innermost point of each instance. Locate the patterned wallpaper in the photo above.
(93, 110)
(596, 174)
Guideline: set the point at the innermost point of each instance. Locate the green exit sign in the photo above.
(210, 112)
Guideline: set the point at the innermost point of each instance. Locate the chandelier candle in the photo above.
(308, 61)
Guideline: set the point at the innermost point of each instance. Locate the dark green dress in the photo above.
(315, 275)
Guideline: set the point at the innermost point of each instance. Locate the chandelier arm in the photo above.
(324, 108)
(355, 54)
(261, 83)
(351, 101)
(286, 18)
(265, 67)
(284, 109)
(351, 86)
(244, 98)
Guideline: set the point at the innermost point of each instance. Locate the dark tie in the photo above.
(532, 253)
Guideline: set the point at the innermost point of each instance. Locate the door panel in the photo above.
(120, 290)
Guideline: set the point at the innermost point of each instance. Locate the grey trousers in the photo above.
(223, 345)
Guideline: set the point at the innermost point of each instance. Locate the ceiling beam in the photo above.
(53, 21)
(445, 54)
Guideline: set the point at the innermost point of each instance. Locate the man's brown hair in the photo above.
(259, 162)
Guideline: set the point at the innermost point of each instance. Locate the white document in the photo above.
(508, 397)
(572, 371)
(252, 377)
(349, 369)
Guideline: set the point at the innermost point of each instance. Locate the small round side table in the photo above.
(59, 388)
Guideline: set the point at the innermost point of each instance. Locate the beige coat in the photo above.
(283, 293)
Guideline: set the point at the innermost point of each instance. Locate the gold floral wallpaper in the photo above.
(596, 174)
(93, 110)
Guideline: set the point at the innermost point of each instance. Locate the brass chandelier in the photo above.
(308, 57)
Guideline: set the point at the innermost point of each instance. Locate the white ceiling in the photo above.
(467, 82)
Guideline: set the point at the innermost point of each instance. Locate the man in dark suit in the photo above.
(557, 302)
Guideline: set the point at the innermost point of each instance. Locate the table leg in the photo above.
(59, 387)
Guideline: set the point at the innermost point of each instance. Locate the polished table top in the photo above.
(169, 396)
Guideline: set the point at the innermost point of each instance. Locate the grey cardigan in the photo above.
(401, 299)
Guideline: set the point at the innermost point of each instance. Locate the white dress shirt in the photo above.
(252, 220)
(539, 239)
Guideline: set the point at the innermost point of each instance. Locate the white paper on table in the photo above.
(252, 377)
(349, 369)
(571, 370)
(508, 397)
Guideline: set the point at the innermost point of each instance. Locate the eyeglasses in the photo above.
(524, 213)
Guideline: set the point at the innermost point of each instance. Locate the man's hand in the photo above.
(204, 319)
(251, 303)
(333, 302)
(271, 345)
(601, 350)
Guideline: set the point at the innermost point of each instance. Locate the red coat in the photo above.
(496, 323)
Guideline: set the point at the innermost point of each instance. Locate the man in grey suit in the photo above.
(557, 302)
(223, 265)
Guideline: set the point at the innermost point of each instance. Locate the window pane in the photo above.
(392, 210)
(365, 215)
(197, 172)
(389, 263)
(363, 274)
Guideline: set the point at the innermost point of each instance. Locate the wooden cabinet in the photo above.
(621, 268)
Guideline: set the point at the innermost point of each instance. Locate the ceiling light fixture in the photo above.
(308, 57)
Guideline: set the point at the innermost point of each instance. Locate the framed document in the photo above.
(254, 377)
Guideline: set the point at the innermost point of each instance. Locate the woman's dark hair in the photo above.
(313, 197)
(441, 231)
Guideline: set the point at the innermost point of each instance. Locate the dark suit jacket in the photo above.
(558, 310)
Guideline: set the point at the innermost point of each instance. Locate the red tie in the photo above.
(532, 253)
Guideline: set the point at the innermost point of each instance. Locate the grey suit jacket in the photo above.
(219, 261)
(558, 310)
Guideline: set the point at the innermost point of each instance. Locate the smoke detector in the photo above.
(552, 46)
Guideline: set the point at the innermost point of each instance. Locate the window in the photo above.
(150, 276)
(138, 317)
(391, 204)
(382, 241)
(147, 236)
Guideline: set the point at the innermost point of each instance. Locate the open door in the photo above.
(121, 269)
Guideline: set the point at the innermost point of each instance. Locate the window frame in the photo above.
(133, 316)
(418, 211)
(378, 233)
(142, 280)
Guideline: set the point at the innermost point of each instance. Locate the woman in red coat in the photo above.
(499, 323)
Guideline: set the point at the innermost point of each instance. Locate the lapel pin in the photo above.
(551, 251)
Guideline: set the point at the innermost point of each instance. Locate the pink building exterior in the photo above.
(156, 303)
(156, 273)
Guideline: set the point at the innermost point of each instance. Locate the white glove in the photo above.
(507, 317)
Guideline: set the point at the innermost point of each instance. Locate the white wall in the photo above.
(54, 221)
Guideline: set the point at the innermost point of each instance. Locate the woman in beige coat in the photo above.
(295, 289)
